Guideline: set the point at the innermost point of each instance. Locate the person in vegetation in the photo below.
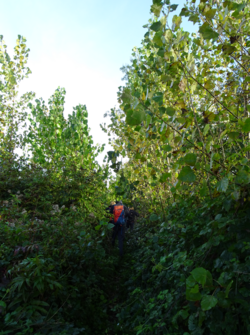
(131, 218)
(120, 213)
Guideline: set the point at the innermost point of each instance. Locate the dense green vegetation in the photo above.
(184, 124)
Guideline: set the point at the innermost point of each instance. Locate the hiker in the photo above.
(120, 213)
(131, 218)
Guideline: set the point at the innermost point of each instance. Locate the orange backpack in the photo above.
(119, 215)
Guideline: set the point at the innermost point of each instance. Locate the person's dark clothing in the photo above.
(119, 230)
(131, 218)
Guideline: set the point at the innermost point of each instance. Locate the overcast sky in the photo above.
(79, 45)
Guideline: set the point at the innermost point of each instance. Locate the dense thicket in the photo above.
(53, 196)
(184, 125)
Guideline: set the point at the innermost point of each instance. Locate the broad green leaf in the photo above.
(222, 185)
(110, 225)
(168, 36)
(183, 313)
(2, 304)
(173, 7)
(203, 190)
(242, 177)
(164, 177)
(207, 32)
(208, 302)
(163, 20)
(135, 117)
(176, 22)
(156, 26)
(158, 38)
(158, 97)
(200, 275)
(167, 148)
(126, 95)
(170, 111)
(206, 129)
(190, 159)
(156, 9)
(210, 13)
(195, 289)
(194, 18)
(190, 281)
(184, 12)
(228, 49)
(187, 175)
(234, 135)
(192, 296)
(246, 126)
(98, 227)
(209, 281)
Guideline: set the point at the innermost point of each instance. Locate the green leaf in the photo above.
(173, 7)
(156, 26)
(192, 296)
(228, 49)
(167, 148)
(208, 302)
(176, 22)
(158, 97)
(195, 289)
(164, 177)
(157, 39)
(209, 281)
(210, 13)
(2, 304)
(247, 79)
(98, 227)
(135, 117)
(110, 225)
(170, 111)
(207, 32)
(234, 135)
(156, 9)
(184, 12)
(222, 185)
(184, 314)
(206, 129)
(190, 281)
(190, 159)
(200, 275)
(242, 177)
(187, 175)
(126, 95)
(194, 18)
(246, 126)
(153, 217)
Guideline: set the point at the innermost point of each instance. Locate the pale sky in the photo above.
(80, 45)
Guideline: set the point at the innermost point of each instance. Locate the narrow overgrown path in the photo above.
(122, 272)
